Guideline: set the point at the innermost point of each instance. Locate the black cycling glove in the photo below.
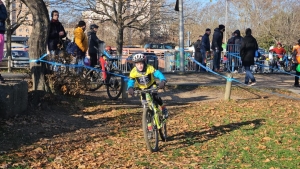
(130, 91)
(162, 84)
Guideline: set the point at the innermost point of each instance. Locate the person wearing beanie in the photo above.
(205, 46)
(3, 17)
(81, 41)
(217, 46)
(247, 52)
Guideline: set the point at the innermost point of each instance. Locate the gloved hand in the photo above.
(162, 84)
(130, 91)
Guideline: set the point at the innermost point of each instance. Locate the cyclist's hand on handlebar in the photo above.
(131, 91)
(162, 84)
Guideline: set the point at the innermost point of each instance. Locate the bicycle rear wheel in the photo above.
(150, 130)
(288, 66)
(114, 86)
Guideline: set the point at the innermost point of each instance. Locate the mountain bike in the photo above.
(153, 121)
(113, 81)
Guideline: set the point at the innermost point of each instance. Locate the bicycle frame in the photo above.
(152, 106)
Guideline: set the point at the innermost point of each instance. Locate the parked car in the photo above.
(158, 46)
(151, 59)
(20, 58)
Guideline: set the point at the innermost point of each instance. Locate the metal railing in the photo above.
(170, 62)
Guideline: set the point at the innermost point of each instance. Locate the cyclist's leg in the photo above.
(159, 101)
(102, 61)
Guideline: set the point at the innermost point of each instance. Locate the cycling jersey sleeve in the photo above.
(130, 83)
(157, 74)
(132, 77)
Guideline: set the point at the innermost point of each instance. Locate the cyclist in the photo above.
(145, 74)
(280, 52)
(296, 59)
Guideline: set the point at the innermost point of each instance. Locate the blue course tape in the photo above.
(76, 65)
(235, 80)
(209, 70)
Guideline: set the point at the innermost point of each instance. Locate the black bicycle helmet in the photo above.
(92, 26)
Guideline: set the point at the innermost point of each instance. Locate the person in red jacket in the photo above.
(279, 50)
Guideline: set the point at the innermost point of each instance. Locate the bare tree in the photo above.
(131, 14)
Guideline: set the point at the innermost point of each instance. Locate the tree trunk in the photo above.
(120, 41)
(38, 41)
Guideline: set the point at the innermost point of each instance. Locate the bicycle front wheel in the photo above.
(163, 130)
(114, 86)
(150, 130)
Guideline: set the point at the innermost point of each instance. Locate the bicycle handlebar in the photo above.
(146, 90)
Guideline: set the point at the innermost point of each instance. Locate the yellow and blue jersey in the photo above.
(144, 79)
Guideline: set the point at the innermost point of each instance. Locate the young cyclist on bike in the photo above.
(145, 74)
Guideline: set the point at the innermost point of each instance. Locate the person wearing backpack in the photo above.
(81, 41)
(197, 47)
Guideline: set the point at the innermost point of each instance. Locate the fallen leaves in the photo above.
(216, 134)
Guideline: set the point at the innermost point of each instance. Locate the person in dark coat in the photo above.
(56, 33)
(205, 46)
(229, 51)
(93, 44)
(238, 39)
(198, 57)
(217, 46)
(3, 17)
(248, 48)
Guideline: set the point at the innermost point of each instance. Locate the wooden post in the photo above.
(124, 89)
(228, 87)
(9, 64)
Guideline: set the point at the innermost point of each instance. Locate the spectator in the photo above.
(3, 17)
(205, 46)
(197, 47)
(248, 48)
(229, 50)
(237, 40)
(81, 40)
(94, 42)
(217, 46)
(296, 59)
(56, 33)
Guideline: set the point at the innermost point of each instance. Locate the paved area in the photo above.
(282, 81)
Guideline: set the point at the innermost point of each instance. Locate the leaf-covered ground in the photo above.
(255, 130)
